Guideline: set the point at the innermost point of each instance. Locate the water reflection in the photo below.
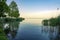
(33, 31)
(58, 35)
(10, 29)
(30, 30)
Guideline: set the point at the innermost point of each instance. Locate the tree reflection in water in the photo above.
(10, 29)
(51, 31)
(58, 34)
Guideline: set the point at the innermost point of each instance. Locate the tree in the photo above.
(14, 12)
(45, 22)
(3, 8)
(58, 20)
(3, 0)
(53, 21)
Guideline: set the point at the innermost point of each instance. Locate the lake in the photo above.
(32, 29)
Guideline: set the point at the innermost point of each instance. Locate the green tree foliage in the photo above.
(3, 0)
(3, 8)
(45, 22)
(14, 12)
(58, 20)
(53, 21)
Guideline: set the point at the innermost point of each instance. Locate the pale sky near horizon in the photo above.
(38, 8)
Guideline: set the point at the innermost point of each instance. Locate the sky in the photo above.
(37, 8)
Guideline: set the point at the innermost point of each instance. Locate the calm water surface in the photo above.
(32, 29)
